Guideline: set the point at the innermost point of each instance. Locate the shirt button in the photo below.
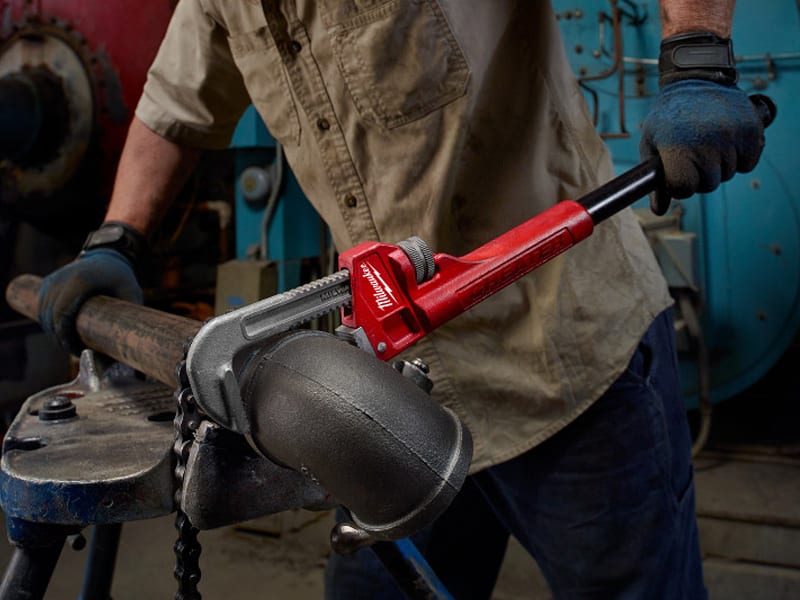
(294, 47)
(351, 201)
(323, 124)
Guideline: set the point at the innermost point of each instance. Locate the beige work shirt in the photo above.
(453, 120)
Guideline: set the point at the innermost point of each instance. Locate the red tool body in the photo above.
(395, 307)
(395, 311)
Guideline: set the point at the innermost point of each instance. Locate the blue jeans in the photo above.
(606, 506)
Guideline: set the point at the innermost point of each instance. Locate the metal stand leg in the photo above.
(29, 571)
(410, 570)
(402, 560)
(100, 562)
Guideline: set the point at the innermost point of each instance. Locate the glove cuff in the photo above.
(697, 55)
(123, 238)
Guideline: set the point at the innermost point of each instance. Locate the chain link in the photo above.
(305, 303)
(187, 549)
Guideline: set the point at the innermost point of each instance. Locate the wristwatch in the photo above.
(120, 237)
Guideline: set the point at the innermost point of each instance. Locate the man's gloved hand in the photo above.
(107, 266)
(702, 126)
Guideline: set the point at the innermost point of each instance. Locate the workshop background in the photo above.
(70, 74)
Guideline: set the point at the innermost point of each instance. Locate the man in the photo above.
(455, 120)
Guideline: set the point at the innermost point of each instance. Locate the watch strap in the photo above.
(123, 238)
(697, 55)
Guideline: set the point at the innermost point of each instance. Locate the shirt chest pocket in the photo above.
(399, 58)
(265, 78)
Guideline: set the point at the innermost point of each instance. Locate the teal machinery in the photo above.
(732, 258)
(273, 219)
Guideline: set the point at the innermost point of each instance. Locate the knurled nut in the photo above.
(420, 256)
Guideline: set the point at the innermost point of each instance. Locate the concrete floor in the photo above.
(748, 513)
(281, 557)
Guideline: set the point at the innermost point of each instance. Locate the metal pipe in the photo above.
(369, 436)
(148, 340)
(372, 438)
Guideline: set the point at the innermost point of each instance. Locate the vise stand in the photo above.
(94, 451)
(98, 451)
(102, 450)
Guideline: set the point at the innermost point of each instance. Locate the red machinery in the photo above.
(70, 75)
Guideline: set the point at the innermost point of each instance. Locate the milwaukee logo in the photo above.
(381, 292)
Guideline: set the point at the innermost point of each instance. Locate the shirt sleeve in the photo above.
(194, 94)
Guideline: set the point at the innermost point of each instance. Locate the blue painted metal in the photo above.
(294, 229)
(420, 565)
(79, 471)
(251, 132)
(748, 230)
(248, 217)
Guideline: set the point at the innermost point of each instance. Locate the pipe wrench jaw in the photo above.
(223, 346)
(381, 274)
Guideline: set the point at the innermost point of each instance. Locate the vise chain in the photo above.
(187, 548)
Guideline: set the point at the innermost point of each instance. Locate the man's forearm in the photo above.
(150, 174)
(681, 16)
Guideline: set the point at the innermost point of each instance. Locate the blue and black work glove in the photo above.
(108, 265)
(701, 125)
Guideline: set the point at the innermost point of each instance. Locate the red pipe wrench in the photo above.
(391, 295)
(400, 293)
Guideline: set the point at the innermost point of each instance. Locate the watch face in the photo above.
(107, 234)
